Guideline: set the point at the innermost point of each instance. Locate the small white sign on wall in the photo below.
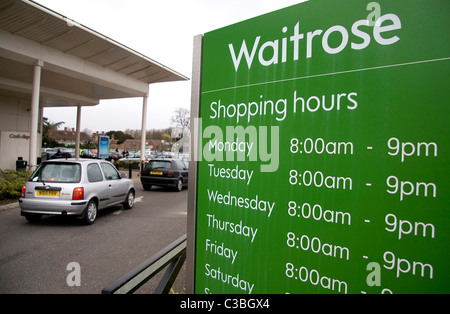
(12, 146)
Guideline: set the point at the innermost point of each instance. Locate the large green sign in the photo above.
(323, 151)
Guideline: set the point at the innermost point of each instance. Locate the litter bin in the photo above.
(21, 165)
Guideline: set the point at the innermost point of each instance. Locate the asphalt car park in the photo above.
(35, 257)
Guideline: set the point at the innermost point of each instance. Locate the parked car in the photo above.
(113, 156)
(135, 157)
(74, 187)
(165, 172)
(60, 154)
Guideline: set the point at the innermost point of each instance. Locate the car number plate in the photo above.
(159, 173)
(47, 193)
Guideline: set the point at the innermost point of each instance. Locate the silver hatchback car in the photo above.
(74, 187)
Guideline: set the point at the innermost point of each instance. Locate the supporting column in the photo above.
(77, 143)
(35, 114)
(143, 129)
(193, 163)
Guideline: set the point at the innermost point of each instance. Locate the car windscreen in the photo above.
(57, 173)
(159, 164)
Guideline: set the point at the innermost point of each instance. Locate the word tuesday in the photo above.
(227, 173)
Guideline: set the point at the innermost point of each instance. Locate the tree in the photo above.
(181, 118)
(157, 134)
(119, 136)
(166, 137)
(47, 126)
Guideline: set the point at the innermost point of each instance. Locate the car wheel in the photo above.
(90, 212)
(179, 185)
(129, 200)
(147, 187)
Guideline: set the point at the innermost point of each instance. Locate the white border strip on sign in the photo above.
(329, 74)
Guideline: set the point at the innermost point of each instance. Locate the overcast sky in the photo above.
(161, 30)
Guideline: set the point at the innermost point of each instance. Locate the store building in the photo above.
(48, 60)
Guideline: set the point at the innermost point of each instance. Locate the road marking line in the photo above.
(138, 199)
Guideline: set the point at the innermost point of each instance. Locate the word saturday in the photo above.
(235, 281)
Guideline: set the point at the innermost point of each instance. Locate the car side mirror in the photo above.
(123, 176)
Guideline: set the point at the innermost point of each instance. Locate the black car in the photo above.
(61, 155)
(165, 172)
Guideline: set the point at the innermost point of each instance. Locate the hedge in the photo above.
(11, 183)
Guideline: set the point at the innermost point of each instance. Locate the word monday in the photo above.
(360, 30)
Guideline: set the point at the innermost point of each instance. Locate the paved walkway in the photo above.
(9, 206)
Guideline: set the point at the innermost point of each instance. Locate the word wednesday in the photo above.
(242, 202)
